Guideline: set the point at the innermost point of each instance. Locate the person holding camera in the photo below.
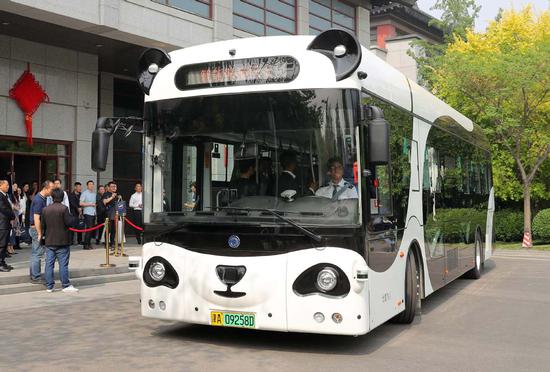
(110, 200)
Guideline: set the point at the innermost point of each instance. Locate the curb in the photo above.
(74, 274)
(77, 282)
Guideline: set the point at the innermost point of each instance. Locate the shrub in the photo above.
(541, 225)
(457, 225)
(508, 225)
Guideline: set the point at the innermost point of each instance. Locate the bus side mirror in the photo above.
(379, 136)
(100, 144)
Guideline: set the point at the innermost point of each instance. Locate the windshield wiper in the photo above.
(302, 229)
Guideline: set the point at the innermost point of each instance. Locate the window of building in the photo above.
(265, 17)
(326, 14)
(199, 7)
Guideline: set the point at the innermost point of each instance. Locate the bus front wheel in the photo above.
(412, 291)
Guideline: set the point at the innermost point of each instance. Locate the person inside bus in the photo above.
(245, 184)
(312, 187)
(193, 204)
(265, 177)
(338, 188)
(165, 202)
(287, 179)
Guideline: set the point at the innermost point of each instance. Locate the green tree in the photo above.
(501, 79)
(458, 16)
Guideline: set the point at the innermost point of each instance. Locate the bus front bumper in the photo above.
(264, 293)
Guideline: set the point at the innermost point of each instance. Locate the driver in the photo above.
(337, 189)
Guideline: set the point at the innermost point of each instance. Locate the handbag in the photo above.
(80, 223)
(25, 236)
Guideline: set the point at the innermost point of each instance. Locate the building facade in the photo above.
(83, 54)
(393, 27)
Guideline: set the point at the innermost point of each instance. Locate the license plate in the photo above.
(232, 319)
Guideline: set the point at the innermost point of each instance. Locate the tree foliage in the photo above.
(501, 79)
(458, 16)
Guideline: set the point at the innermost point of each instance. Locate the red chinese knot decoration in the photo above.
(28, 94)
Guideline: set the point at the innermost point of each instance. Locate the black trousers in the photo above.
(90, 222)
(112, 232)
(137, 218)
(4, 238)
(78, 236)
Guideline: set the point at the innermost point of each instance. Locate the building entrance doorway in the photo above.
(45, 160)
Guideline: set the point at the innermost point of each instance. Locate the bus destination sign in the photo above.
(249, 71)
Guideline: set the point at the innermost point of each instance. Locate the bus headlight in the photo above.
(327, 279)
(157, 271)
(323, 278)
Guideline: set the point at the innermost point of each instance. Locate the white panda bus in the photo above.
(301, 184)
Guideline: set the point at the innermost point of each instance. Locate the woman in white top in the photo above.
(23, 203)
(136, 206)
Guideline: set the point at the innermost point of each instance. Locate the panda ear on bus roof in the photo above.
(341, 47)
(150, 62)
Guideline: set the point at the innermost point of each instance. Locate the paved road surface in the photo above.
(498, 323)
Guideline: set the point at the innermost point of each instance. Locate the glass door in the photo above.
(48, 169)
(6, 166)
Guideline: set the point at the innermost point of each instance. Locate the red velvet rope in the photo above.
(133, 224)
(87, 230)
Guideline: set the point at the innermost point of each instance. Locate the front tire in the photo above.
(412, 289)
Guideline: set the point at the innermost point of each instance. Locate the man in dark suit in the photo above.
(75, 209)
(287, 179)
(55, 223)
(6, 216)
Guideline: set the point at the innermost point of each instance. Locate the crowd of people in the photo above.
(42, 216)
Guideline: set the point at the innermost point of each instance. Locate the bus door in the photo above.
(383, 236)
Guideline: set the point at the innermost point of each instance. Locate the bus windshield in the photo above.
(228, 158)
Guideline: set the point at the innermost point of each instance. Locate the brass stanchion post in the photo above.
(107, 264)
(116, 234)
(123, 236)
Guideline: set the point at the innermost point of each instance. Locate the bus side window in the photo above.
(379, 191)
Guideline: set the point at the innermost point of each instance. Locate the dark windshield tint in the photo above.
(276, 150)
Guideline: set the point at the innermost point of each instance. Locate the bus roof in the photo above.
(316, 71)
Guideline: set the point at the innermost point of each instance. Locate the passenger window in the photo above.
(415, 184)
(178, 177)
(380, 193)
(389, 186)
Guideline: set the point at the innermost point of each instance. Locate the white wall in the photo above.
(397, 56)
(141, 22)
(70, 80)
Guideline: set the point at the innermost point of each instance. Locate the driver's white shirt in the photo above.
(348, 193)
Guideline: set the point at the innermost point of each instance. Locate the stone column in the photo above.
(303, 17)
(398, 56)
(222, 15)
(106, 108)
(86, 116)
(363, 26)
